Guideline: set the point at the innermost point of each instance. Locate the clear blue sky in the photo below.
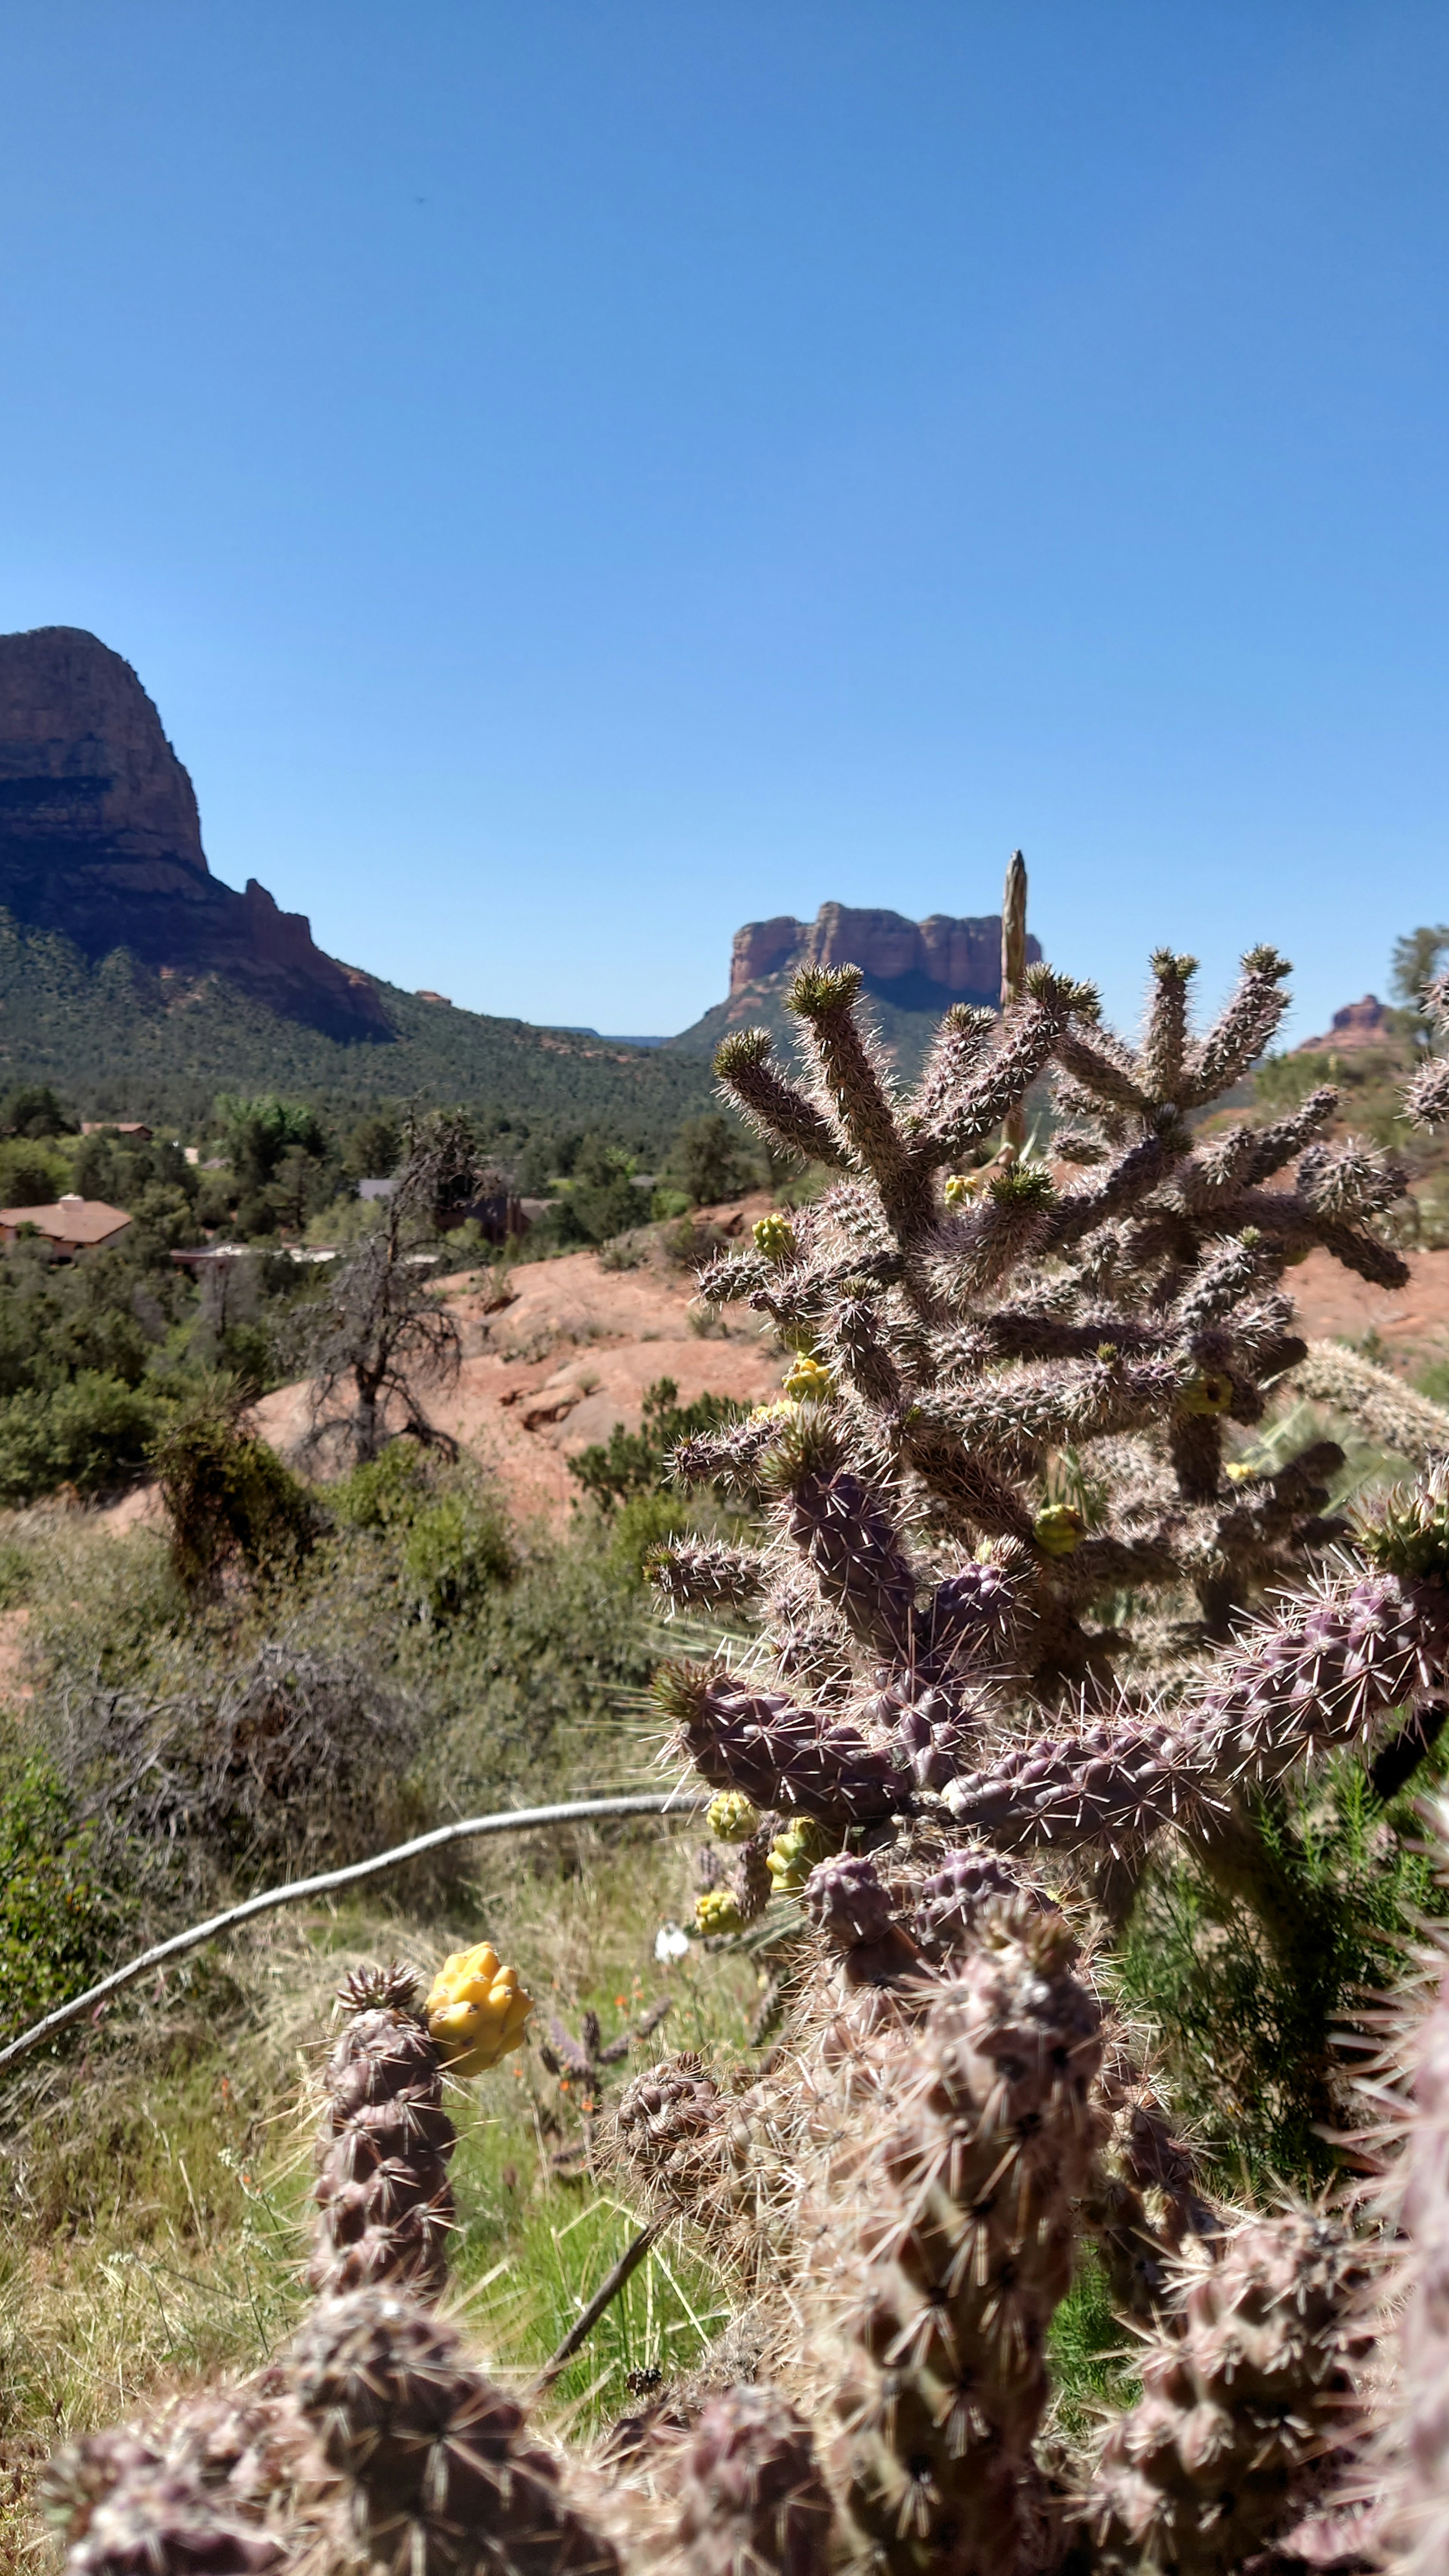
(579, 475)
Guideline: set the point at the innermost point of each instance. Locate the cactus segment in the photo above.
(777, 1755)
(962, 2244)
(753, 2502)
(384, 2206)
(440, 2474)
(1241, 2396)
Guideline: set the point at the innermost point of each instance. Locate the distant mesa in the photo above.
(100, 838)
(918, 965)
(1359, 1024)
(914, 970)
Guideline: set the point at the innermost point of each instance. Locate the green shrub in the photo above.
(229, 1498)
(632, 1462)
(384, 1491)
(55, 1915)
(641, 1524)
(456, 1550)
(91, 1433)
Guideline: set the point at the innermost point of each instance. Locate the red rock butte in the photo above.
(920, 965)
(100, 838)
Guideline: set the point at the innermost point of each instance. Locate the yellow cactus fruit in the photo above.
(775, 1238)
(1208, 1391)
(809, 1381)
(1238, 1472)
(961, 1188)
(779, 1411)
(731, 1818)
(476, 2010)
(1057, 1528)
(793, 1854)
(716, 1911)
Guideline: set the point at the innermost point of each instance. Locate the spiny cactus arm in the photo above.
(1240, 2400)
(954, 1057)
(1006, 1226)
(1031, 1030)
(781, 1757)
(1388, 1410)
(774, 1107)
(437, 2466)
(731, 1277)
(1426, 1094)
(947, 2267)
(752, 2499)
(729, 1456)
(1016, 1413)
(1195, 1447)
(865, 1117)
(1099, 1075)
(1272, 1502)
(1325, 1668)
(1164, 1040)
(1223, 1277)
(384, 2207)
(1240, 1033)
(971, 1497)
(1275, 1145)
(1022, 1331)
(1112, 1788)
(1138, 1170)
(973, 1615)
(1351, 1179)
(855, 1336)
(857, 1918)
(841, 1527)
(160, 2519)
(705, 1574)
(1416, 2440)
(1288, 1221)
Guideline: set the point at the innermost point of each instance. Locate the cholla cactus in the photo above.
(439, 2471)
(1241, 2399)
(385, 2209)
(753, 2502)
(158, 2521)
(955, 1338)
(959, 2245)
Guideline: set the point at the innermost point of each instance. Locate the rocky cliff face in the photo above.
(100, 838)
(913, 970)
(918, 965)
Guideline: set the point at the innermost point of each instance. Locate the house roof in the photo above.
(70, 1220)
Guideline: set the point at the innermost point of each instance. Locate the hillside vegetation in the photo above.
(129, 1043)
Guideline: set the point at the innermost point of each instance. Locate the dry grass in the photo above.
(157, 2172)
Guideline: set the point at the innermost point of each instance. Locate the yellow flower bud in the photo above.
(775, 1238)
(793, 1854)
(961, 1188)
(716, 1911)
(476, 2011)
(1057, 1528)
(1238, 1472)
(809, 1381)
(731, 1818)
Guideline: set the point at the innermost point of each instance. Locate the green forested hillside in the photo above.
(124, 1042)
(906, 1034)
